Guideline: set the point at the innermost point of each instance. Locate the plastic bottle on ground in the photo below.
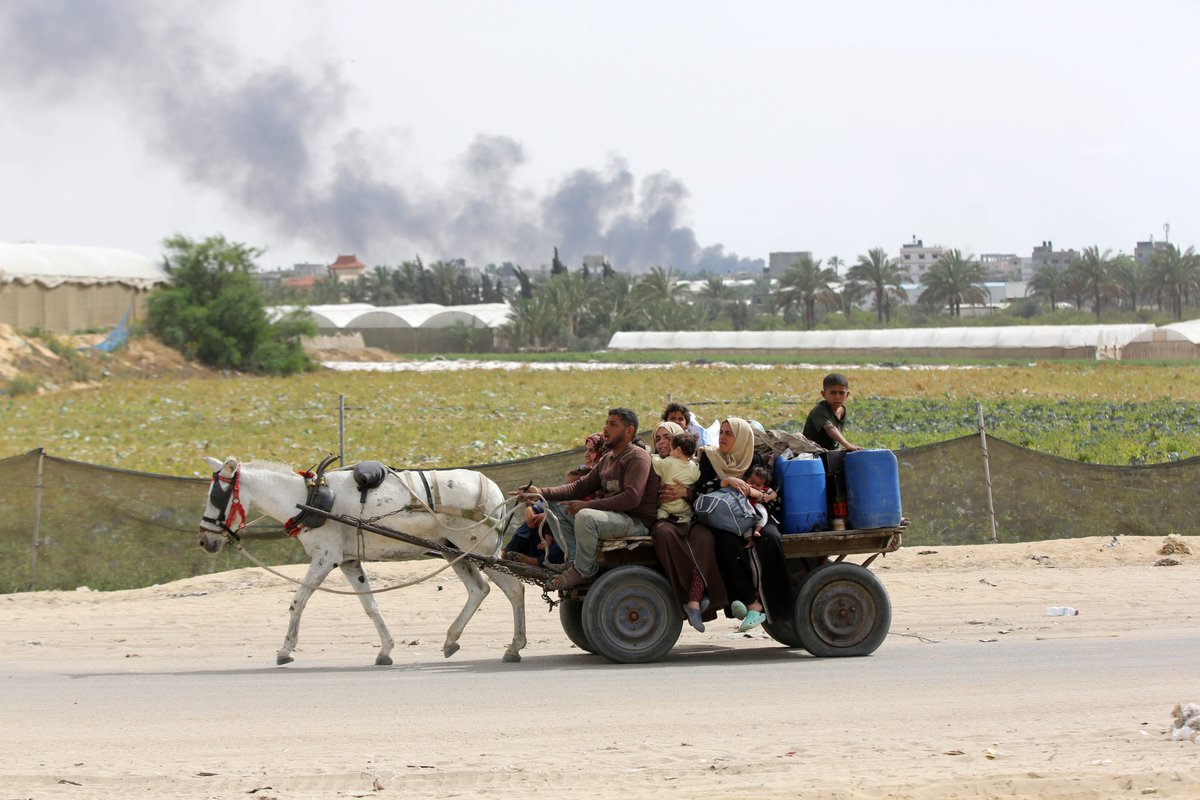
(1061, 611)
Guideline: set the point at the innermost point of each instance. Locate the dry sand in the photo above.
(171, 692)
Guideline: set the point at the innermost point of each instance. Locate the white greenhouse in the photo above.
(1018, 341)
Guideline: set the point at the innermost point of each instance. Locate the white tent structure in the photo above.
(66, 288)
(1174, 341)
(1017, 341)
(414, 328)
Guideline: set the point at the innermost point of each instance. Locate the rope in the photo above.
(237, 545)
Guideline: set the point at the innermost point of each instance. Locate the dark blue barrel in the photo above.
(801, 484)
(872, 489)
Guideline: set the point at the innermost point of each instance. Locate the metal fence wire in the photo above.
(66, 523)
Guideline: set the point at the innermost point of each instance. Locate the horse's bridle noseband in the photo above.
(221, 497)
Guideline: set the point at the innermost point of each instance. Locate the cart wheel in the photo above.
(842, 610)
(570, 614)
(630, 615)
(783, 628)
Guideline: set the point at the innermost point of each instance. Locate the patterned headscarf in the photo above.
(590, 457)
(670, 427)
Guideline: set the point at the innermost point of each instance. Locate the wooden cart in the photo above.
(629, 613)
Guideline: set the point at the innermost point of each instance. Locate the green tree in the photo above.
(557, 267)
(883, 276)
(716, 297)
(1092, 273)
(954, 280)
(1129, 275)
(1050, 283)
(212, 310)
(1174, 276)
(803, 286)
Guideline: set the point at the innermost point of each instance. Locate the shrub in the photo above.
(21, 384)
(213, 312)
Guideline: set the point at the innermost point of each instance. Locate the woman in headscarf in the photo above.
(685, 549)
(755, 572)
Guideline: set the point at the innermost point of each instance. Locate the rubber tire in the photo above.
(570, 614)
(630, 615)
(842, 610)
(783, 629)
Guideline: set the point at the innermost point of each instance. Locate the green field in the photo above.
(1106, 412)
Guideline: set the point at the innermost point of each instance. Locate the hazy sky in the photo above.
(689, 133)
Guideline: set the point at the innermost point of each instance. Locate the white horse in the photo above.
(274, 490)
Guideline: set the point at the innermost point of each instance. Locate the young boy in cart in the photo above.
(828, 418)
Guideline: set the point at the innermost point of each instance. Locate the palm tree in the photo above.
(1092, 273)
(1050, 282)
(850, 295)
(1175, 276)
(716, 295)
(1129, 275)
(835, 264)
(884, 276)
(659, 284)
(954, 280)
(804, 285)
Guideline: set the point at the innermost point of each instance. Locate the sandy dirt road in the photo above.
(171, 691)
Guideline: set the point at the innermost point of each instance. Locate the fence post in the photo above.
(341, 430)
(37, 521)
(987, 472)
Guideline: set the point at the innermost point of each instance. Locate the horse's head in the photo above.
(223, 506)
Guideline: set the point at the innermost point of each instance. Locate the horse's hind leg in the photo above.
(477, 589)
(318, 570)
(353, 570)
(514, 590)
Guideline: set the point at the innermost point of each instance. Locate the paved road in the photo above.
(552, 716)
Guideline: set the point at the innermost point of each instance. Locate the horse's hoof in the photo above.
(450, 649)
(511, 658)
(383, 661)
(281, 659)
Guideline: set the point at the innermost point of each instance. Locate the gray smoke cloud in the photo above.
(273, 143)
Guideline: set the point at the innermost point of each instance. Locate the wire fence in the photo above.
(67, 523)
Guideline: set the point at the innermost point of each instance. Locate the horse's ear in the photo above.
(231, 464)
(212, 463)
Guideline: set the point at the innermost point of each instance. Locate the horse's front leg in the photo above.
(477, 589)
(322, 564)
(514, 590)
(353, 570)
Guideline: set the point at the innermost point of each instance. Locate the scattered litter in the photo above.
(1185, 723)
(927, 552)
(1061, 611)
(989, 640)
(991, 753)
(34, 642)
(69, 783)
(205, 774)
(82, 589)
(187, 594)
(1040, 559)
(954, 753)
(1101, 762)
(1114, 542)
(1174, 543)
(377, 785)
(259, 789)
(1168, 561)
(986, 582)
(132, 655)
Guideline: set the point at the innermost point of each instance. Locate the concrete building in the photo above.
(1143, 251)
(346, 268)
(916, 258)
(1002, 266)
(1044, 255)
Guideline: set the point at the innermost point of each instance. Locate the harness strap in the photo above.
(429, 504)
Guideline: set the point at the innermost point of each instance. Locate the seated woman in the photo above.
(755, 572)
(685, 549)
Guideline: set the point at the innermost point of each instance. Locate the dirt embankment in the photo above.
(49, 362)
